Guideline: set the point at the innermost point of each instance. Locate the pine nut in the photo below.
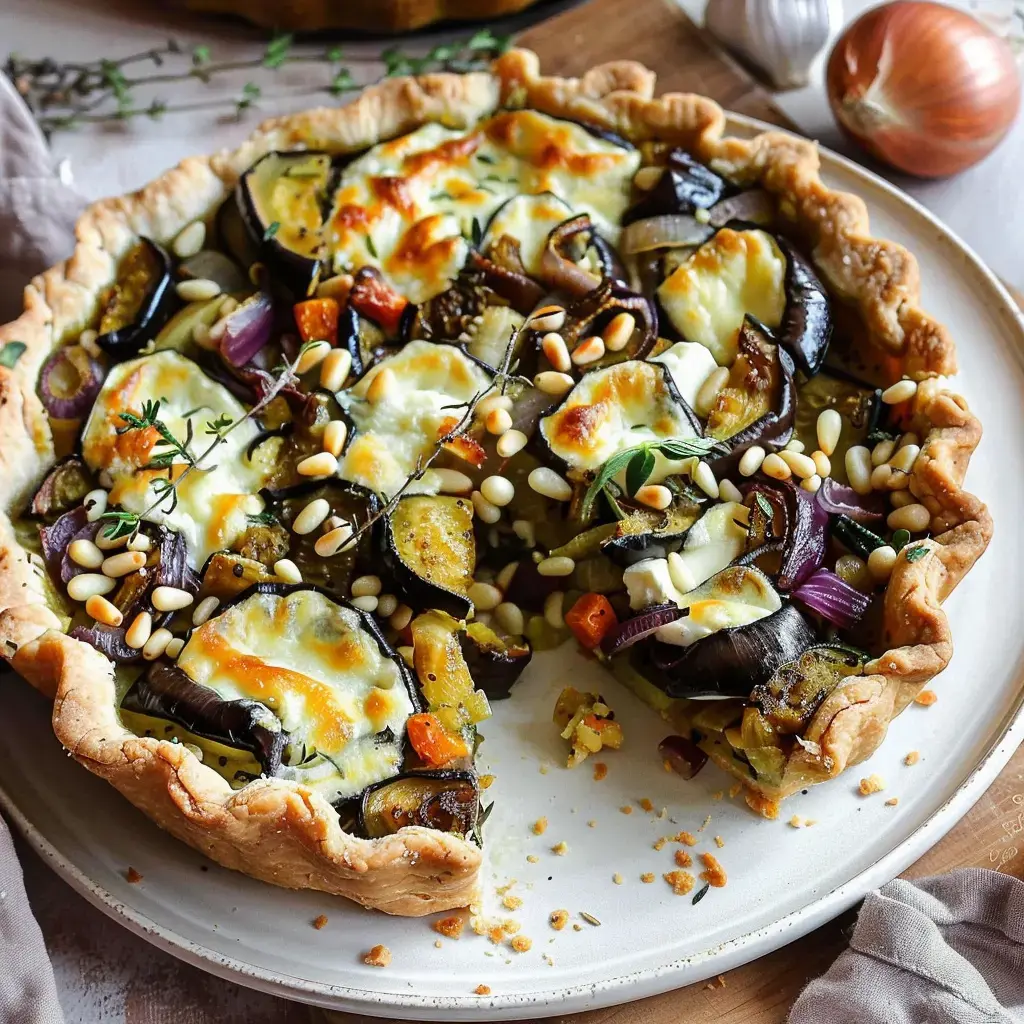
(85, 554)
(703, 476)
(366, 603)
(189, 240)
(908, 438)
(551, 382)
(493, 401)
(204, 610)
(228, 306)
(485, 597)
(900, 499)
(335, 435)
(103, 611)
(547, 482)
(313, 354)
(654, 496)
(487, 512)
(901, 391)
(882, 451)
(366, 586)
(898, 481)
(880, 477)
(386, 605)
(554, 605)
(139, 631)
(335, 368)
(647, 177)
(332, 523)
(124, 563)
(173, 648)
(619, 331)
(588, 351)
(801, 465)
(105, 543)
(915, 518)
(311, 516)
(285, 569)
(401, 618)
(511, 442)
(216, 332)
(201, 336)
(555, 351)
(170, 599)
(858, 468)
(451, 481)
(333, 541)
(811, 483)
(822, 463)
(881, 561)
(796, 445)
(321, 464)
(383, 384)
(95, 504)
(498, 490)
(829, 427)
(709, 391)
(157, 644)
(504, 578)
(559, 565)
(337, 287)
(750, 461)
(852, 570)
(510, 618)
(904, 459)
(680, 573)
(199, 289)
(547, 318)
(140, 542)
(408, 655)
(728, 491)
(87, 339)
(775, 467)
(525, 531)
(498, 421)
(88, 584)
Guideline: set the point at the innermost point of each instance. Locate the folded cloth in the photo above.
(946, 950)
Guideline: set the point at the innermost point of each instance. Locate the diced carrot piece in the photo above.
(317, 320)
(590, 619)
(432, 742)
(371, 296)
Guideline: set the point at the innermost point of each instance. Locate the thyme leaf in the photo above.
(11, 353)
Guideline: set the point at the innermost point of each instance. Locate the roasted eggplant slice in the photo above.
(281, 199)
(167, 693)
(225, 575)
(138, 303)
(63, 488)
(365, 341)
(448, 801)
(648, 534)
(494, 662)
(592, 313)
(806, 326)
(529, 219)
(430, 548)
(685, 186)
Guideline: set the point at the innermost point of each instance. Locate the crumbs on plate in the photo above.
(320, 921)
(378, 956)
(558, 919)
(872, 784)
(133, 876)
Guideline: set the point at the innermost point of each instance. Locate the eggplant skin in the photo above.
(729, 663)
(165, 691)
(806, 327)
(446, 800)
(685, 186)
(494, 663)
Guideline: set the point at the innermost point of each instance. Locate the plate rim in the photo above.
(1008, 735)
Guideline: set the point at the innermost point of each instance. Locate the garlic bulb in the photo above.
(778, 38)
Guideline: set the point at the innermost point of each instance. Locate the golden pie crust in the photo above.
(281, 832)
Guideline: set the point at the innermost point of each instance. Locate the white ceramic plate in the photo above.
(782, 881)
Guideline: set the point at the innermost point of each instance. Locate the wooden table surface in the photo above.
(104, 970)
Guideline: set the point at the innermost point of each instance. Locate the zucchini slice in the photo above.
(448, 801)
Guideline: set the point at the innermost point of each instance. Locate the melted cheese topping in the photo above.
(735, 273)
(407, 206)
(314, 665)
(615, 408)
(394, 432)
(213, 504)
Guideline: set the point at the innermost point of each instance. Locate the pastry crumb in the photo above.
(438, 944)
(482, 990)
(511, 902)
(592, 823)
(872, 784)
(892, 801)
(713, 873)
(450, 927)
(540, 826)
(379, 956)
(558, 919)
(486, 781)
(912, 758)
(646, 805)
(707, 821)
(532, 858)
(681, 881)
(735, 790)
(683, 859)
(719, 842)
(543, 769)
(626, 809)
(577, 927)
(521, 944)
(320, 921)
(686, 838)
(617, 878)
(926, 698)
(560, 849)
(719, 982)
(717, 795)
(796, 821)
(133, 876)
(600, 771)
(647, 877)
(659, 844)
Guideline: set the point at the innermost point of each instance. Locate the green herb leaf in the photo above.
(764, 505)
(900, 539)
(477, 232)
(692, 447)
(122, 524)
(342, 82)
(264, 518)
(617, 462)
(271, 229)
(639, 469)
(201, 55)
(371, 248)
(11, 353)
(916, 553)
(700, 895)
(334, 54)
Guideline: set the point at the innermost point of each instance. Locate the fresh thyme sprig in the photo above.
(64, 95)
(125, 524)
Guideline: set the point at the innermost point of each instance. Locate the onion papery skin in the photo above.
(925, 88)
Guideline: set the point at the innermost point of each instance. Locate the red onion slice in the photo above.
(840, 500)
(247, 329)
(754, 206)
(833, 599)
(640, 626)
(667, 231)
(557, 270)
(69, 383)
